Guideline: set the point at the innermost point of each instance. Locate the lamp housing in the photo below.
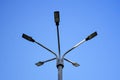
(57, 17)
(91, 36)
(39, 63)
(29, 38)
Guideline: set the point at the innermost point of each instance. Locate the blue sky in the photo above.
(99, 58)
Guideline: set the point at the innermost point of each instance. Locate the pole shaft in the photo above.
(60, 72)
(58, 37)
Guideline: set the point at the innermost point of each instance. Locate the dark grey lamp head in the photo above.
(91, 36)
(39, 63)
(28, 38)
(57, 17)
(75, 64)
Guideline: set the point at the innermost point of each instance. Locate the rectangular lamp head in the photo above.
(57, 17)
(91, 36)
(39, 63)
(28, 38)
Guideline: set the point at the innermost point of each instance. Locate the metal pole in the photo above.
(60, 66)
(59, 61)
(58, 37)
(60, 72)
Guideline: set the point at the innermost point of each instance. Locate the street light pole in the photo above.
(60, 64)
(59, 59)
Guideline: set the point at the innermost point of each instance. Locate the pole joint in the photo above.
(59, 63)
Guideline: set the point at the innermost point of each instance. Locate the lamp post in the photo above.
(59, 59)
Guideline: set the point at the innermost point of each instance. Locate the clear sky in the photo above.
(99, 58)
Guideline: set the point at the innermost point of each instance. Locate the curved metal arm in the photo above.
(29, 38)
(47, 49)
(86, 39)
(49, 60)
(42, 62)
(73, 47)
(73, 63)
